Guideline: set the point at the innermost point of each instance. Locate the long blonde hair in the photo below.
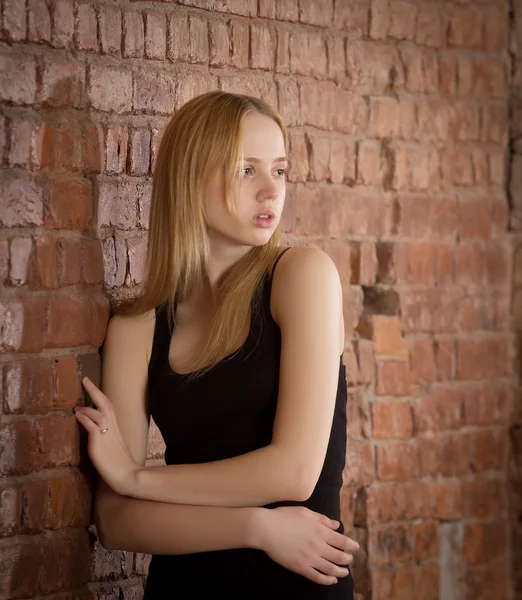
(202, 137)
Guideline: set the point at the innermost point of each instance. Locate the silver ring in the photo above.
(104, 430)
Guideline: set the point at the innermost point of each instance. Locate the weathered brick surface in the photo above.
(399, 127)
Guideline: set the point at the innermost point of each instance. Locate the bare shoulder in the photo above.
(304, 273)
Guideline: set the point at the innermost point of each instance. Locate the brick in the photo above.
(19, 451)
(387, 337)
(262, 47)
(402, 20)
(317, 104)
(22, 204)
(496, 32)
(483, 542)
(69, 261)
(490, 78)
(287, 10)
(118, 203)
(496, 258)
(110, 89)
(363, 263)
(391, 421)
(92, 261)
(107, 564)
(267, 9)
(425, 540)
(414, 262)
(63, 84)
(115, 253)
(365, 357)
(155, 92)
(463, 123)
(422, 361)
(308, 54)
(93, 147)
(421, 69)
(155, 35)
(47, 261)
(414, 217)
(219, 44)
(11, 510)
(21, 254)
(389, 544)
(369, 169)
(465, 29)
(483, 498)
(137, 252)
(457, 168)
(493, 578)
(20, 148)
(373, 69)
(15, 20)
(384, 117)
(429, 311)
(69, 502)
(379, 19)
(336, 58)
(139, 156)
(239, 32)
(483, 359)
(4, 260)
(488, 451)
(17, 79)
(319, 156)
(320, 14)
(193, 85)
(87, 31)
(495, 123)
(396, 462)
(63, 23)
(474, 216)
(110, 28)
(288, 101)
(198, 39)
(116, 146)
(448, 68)
(283, 51)
(358, 414)
(133, 34)
(39, 21)
(469, 263)
(70, 204)
(69, 322)
(178, 40)
(101, 312)
(360, 467)
(455, 454)
(429, 29)
(444, 265)
(339, 166)
(440, 410)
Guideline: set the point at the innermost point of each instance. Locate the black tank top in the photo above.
(226, 412)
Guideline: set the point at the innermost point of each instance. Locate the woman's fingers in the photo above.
(317, 577)
(92, 413)
(339, 540)
(89, 425)
(97, 396)
(328, 568)
(337, 556)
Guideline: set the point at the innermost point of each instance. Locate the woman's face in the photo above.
(260, 194)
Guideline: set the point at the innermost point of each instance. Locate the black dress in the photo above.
(224, 413)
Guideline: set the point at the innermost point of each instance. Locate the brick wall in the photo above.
(515, 196)
(398, 112)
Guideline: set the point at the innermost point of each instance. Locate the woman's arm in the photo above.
(307, 304)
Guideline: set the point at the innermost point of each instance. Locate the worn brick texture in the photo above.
(399, 121)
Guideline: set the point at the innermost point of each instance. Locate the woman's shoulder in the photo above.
(303, 261)
(136, 331)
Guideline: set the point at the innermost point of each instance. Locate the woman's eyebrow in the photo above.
(278, 159)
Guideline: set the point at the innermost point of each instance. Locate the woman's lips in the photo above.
(265, 222)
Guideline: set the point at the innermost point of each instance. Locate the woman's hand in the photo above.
(107, 451)
(305, 542)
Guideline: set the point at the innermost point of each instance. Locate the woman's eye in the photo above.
(281, 172)
(247, 171)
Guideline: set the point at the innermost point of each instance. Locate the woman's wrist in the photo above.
(255, 530)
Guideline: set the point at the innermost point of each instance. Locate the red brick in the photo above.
(469, 263)
(39, 21)
(262, 47)
(431, 310)
(15, 20)
(20, 147)
(444, 265)
(319, 154)
(267, 9)
(414, 262)
(101, 312)
(387, 337)
(359, 424)
(11, 510)
(93, 147)
(490, 78)
(457, 168)
(465, 29)
(390, 544)
(22, 330)
(4, 260)
(496, 31)
(463, 122)
(494, 123)
(486, 404)
(219, 44)
(115, 253)
(116, 145)
(429, 29)
(391, 420)
(339, 156)
(384, 117)
(58, 440)
(69, 502)
(379, 19)
(20, 272)
(47, 261)
(445, 216)
(427, 456)
(360, 466)
(396, 584)
(454, 454)
(422, 361)
(475, 216)
(110, 29)
(493, 579)
(402, 20)
(155, 35)
(63, 23)
(483, 542)
(133, 34)
(396, 462)
(448, 75)
(287, 10)
(86, 37)
(365, 357)
(311, 97)
(320, 14)
(154, 92)
(488, 450)
(483, 359)
(17, 79)
(308, 54)
(496, 256)
(421, 69)
(63, 84)
(425, 540)
(440, 410)
(428, 581)
(393, 378)
(139, 152)
(67, 387)
(483, 498)
(448, 499)
(198, 39)
(18, 449)
(336, 58)
(69, 261)
(69, 322)
(110, 89)
(92, 261)
(240, 42)
(283, 51)
(118, 202)
(70, 204)
(369, 166)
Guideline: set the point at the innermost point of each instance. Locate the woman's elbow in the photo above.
(303, 484)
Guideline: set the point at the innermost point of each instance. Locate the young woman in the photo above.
(239, 364)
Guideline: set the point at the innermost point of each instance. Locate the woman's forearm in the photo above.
(149, 527)
(254, 479)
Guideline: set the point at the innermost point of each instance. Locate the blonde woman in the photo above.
(234, 347)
